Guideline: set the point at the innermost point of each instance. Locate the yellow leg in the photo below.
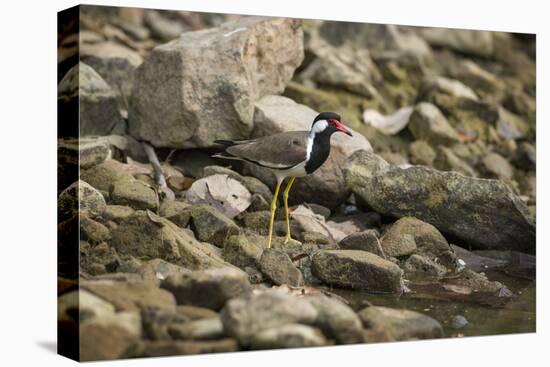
(285, 199)
(273, 208)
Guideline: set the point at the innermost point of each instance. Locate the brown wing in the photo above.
(283, 150)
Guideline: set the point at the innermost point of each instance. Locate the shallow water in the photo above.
(517, 316)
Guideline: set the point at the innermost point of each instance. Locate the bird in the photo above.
(287, 154)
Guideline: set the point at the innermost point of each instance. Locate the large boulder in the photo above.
(485, 213)
(82, 92)
(203, 86)
(357, 269)
(326, 186)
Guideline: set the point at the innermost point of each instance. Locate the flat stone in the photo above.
(357, 270)
(222, 192)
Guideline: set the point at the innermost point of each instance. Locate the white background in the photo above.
(28, 181)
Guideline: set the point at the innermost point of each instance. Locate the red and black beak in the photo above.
(341, 127)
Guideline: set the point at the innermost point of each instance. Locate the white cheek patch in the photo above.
(319, 126)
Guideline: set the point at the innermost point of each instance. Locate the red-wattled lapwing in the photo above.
(289, 154)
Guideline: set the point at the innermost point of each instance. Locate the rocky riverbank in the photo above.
(433, 196)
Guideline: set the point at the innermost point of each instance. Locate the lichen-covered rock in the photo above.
(84, 152)
(134, 193)
(82, 91)
(243, 317)
(104, 175)
(288, 336)
(147, 236)
(420, 264)
(98, 259)
(279, 268)
(364, 241)
(482, 212)
(195, 106)
(81, 198)
(409, 235)
(93, 231)
(357, 270)
(209, 288)
(116, 213)
(401, 324)
(428, 123)
(210, 225)
(241, 252)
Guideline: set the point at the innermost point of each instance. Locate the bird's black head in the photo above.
(328, 123)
